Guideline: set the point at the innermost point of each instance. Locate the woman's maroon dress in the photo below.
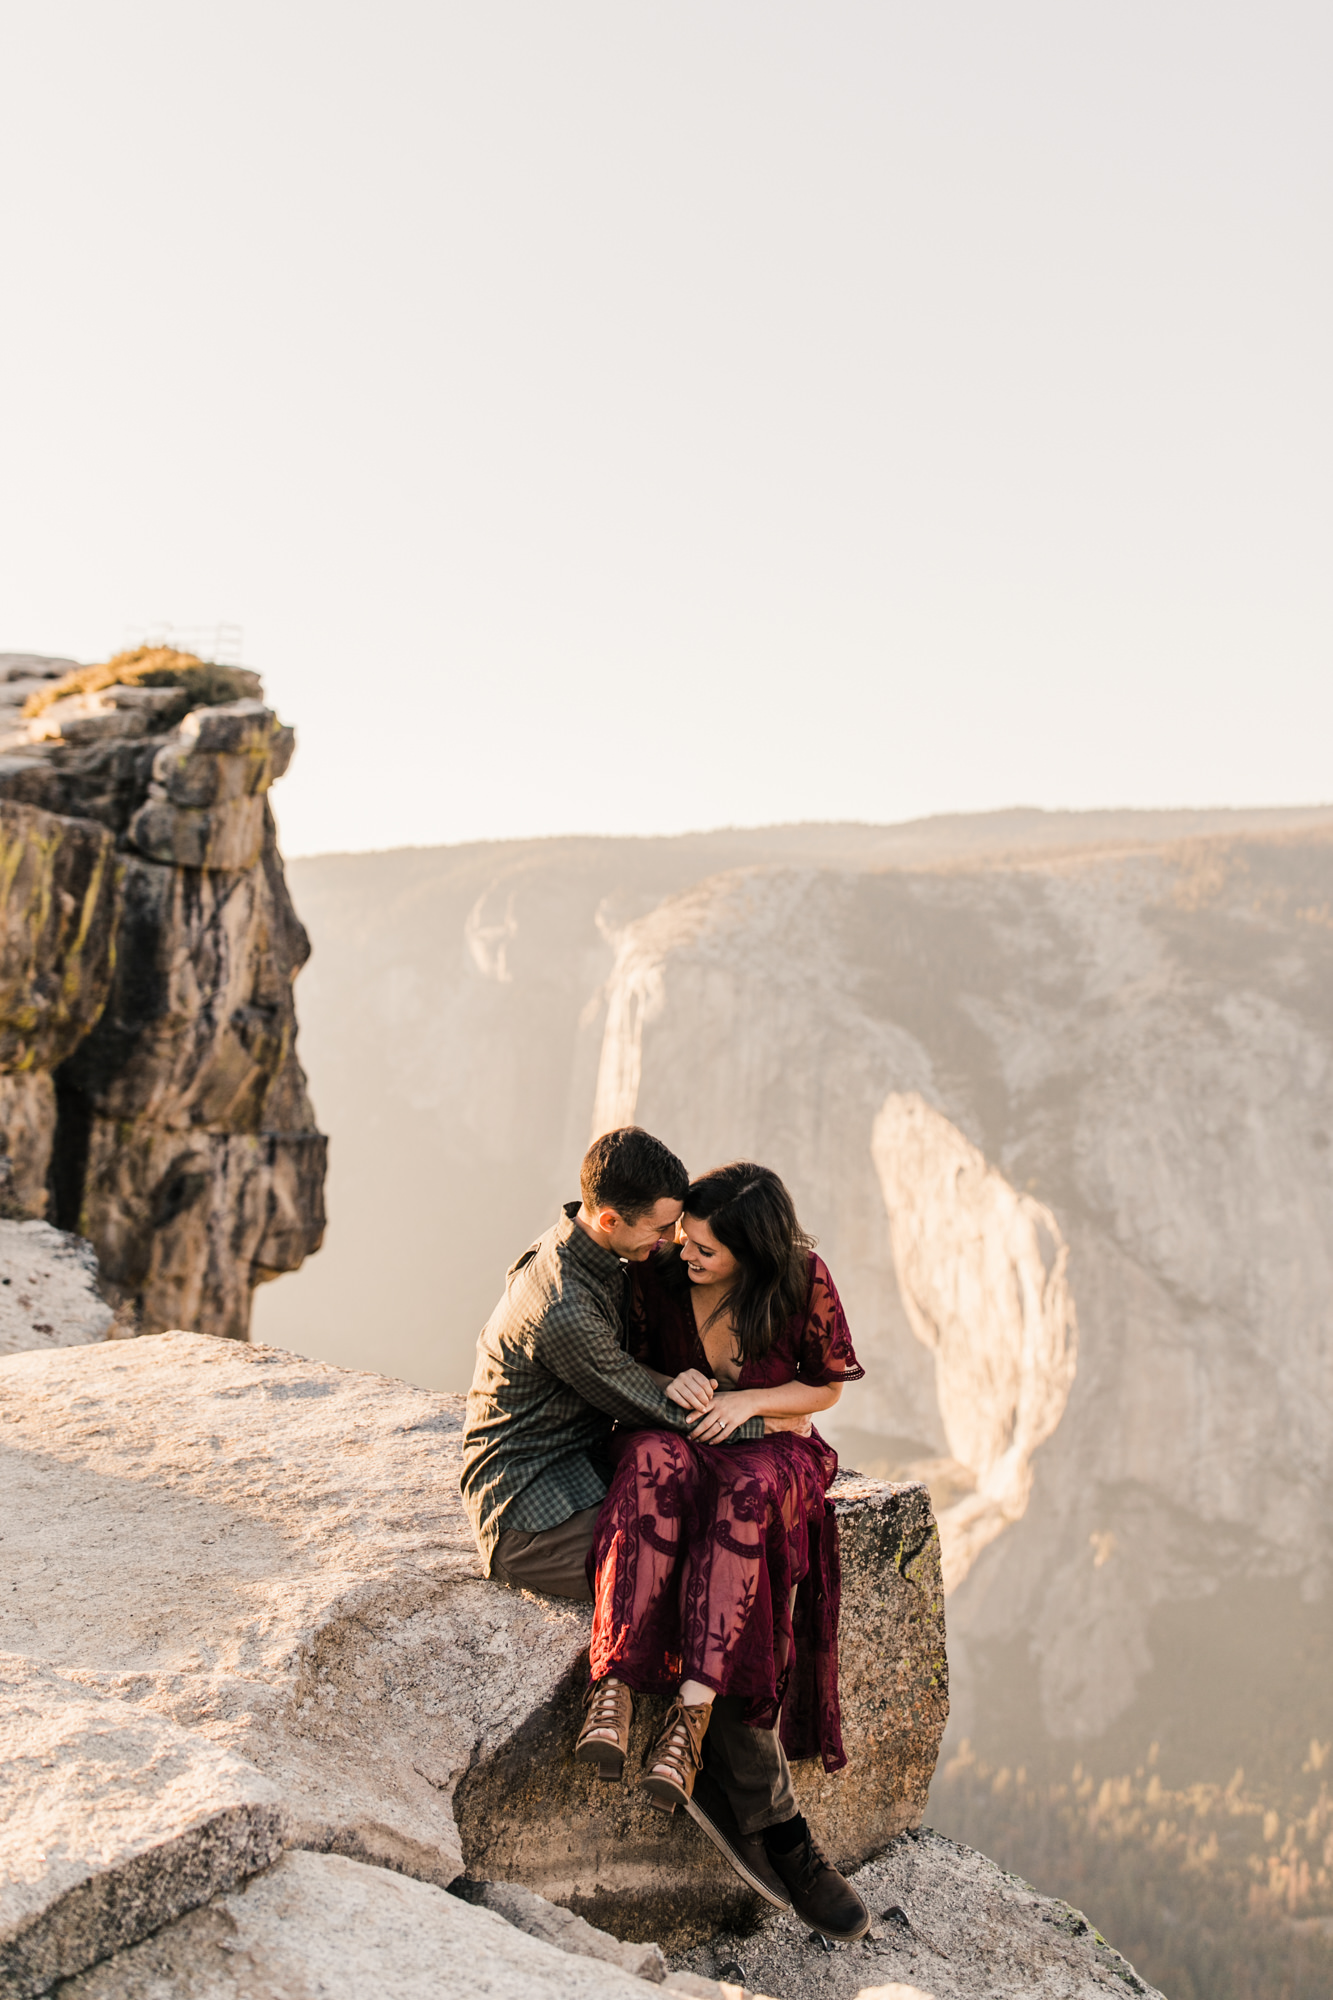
(700, 1548)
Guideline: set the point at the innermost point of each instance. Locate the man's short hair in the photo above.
(631, 1172)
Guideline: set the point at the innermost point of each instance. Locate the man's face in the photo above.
(638, 1240)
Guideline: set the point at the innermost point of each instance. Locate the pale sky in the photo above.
(623, 417)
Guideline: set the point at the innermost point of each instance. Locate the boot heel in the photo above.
(608, 1704)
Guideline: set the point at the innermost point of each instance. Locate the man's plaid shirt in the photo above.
(552, 1373)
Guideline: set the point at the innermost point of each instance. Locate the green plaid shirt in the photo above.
(552, 1374)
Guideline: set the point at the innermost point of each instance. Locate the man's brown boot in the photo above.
(820, 1896)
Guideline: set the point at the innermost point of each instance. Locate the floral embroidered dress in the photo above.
(719, 1563)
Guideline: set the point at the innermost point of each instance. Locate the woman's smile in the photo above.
(707, 1261)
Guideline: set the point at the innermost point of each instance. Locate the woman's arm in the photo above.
(732, 1407)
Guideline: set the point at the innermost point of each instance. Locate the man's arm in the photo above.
(694, 1391)
(586, 1353)
(733, 1407)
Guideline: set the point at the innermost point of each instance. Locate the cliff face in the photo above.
(150, 1095)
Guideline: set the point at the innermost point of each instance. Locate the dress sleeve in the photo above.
(827, 1354)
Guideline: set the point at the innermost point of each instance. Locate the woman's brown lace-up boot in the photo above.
(608, 1704)
(680, 1749)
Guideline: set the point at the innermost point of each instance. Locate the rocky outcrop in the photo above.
(272, 1556)
(205, 803)
(150, 1094)
(259, 1710)
(58, 909)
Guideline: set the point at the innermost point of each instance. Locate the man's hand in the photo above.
(691, 1390)
(726, 1413)
(802, 1426)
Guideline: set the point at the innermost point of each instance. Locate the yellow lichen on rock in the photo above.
(146, 666)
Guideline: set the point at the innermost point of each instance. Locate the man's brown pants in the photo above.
(749, 1764)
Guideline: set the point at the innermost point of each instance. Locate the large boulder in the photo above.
(527, 1814)
(273, 1555)
(317, 1924)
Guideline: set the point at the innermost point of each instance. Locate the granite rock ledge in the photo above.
(272, 1555)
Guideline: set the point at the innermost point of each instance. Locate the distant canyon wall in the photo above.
(150, 1094)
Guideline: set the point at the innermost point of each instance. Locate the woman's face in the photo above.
(707, 1261)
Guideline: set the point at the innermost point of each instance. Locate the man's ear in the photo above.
(608, 1221)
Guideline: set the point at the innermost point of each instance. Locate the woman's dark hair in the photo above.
(751, 1213)
(630, 1171)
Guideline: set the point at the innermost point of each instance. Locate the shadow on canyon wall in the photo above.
(1056, 1094)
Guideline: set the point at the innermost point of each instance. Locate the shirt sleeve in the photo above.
(827, 1354)
(638, 1336)
(586, 1354)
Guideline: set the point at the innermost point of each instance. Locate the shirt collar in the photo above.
(577, 1243)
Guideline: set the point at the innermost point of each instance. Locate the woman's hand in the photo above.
(726, 1413)
(691, 1390)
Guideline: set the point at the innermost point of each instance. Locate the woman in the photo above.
(715, 1566)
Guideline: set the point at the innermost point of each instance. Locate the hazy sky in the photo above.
(635, 417)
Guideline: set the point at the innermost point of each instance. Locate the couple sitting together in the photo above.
(639, 1436)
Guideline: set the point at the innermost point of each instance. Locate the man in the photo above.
(552, 1376)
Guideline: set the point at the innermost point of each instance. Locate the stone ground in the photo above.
(947, 1925)
(48, 1289)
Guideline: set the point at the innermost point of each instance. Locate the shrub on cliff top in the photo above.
(205, 682)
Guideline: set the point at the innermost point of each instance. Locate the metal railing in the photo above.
(219, 643)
